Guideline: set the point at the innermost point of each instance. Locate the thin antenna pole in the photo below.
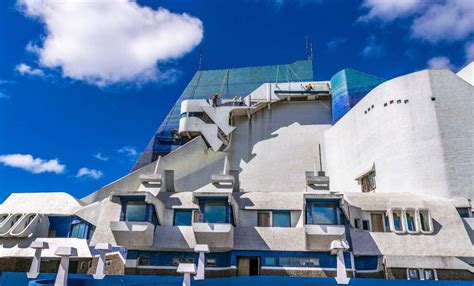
(201, 55)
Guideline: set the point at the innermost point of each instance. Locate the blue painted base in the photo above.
(20, 279)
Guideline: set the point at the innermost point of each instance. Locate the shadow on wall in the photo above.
(265, 124)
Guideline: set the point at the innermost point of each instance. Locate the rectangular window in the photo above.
(215, 212)
(367, 182)
(429, 274)
(182, 217)
(270, 261)
(298, 262)
(424, 220)
(135, 211)
(397, 221)
(264, 219)
(357, 223)
(410, 219)
(324, 213)
(78, 230)
(211, 262)
(377, 222)
(413, 274)
(281, 219)
(365, 225)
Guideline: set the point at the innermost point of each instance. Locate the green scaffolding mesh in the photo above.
(228, 83)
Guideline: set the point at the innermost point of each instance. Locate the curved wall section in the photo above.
(416, 130)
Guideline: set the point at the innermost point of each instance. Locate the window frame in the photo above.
(390, 215)
(415, 222)
(270, 220)
(384, 223)
(421, 273)
(428, 218)
(226, 206)
(408, 273)
(86, 232)
(435, 274)
(183, 211)
(366, 222)
(150, 210)
(357, 223)
(286, 212)
(274, 259)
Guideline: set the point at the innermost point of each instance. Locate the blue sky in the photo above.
(84, 86)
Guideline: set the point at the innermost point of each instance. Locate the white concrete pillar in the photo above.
(187, 269)
(103, 248)
(338, 247)
(202, 249)
(38, 246)
(65, 253)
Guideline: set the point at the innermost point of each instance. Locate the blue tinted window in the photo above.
(215, 212)
(135, 211)
(397, 221)
(324, 213)
(410, 222)
(78, 230)
(182, 217)
(270, 261)
(281, 219)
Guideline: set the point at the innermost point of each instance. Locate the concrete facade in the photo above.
(280, 187)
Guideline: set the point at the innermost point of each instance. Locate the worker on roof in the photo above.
(309, 87)
(216, 100)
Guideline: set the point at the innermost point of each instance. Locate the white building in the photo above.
(276, 178)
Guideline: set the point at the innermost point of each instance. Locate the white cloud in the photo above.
(33, 165)
(433, 21)
(92, 173)
(25, 69)
(440, 63)
(448, 21)
(107, 42)
(372, 48)
(100, 157)
(4, 95)
(129, 151)
(389, 10)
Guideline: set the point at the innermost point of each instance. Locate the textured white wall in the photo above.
(274, 149)
(421, 146)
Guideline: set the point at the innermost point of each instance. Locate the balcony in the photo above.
(133, 233)
(319, 237)
(216, 235)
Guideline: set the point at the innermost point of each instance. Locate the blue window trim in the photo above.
(150, 209)
(309, 210)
